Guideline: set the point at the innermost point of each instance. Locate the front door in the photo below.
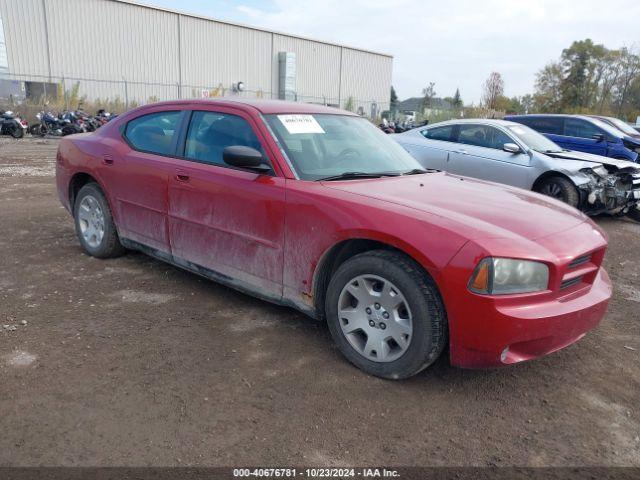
(581, 135)
(227, 220)
(480, 154)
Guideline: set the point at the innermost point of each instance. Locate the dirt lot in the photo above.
(133, 362)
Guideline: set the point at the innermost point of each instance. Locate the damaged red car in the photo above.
(314, 208)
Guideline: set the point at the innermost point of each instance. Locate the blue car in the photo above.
(583, 134)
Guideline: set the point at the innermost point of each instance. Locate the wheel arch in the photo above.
(81, 178)
(347, 248)
(549, 174)
(77, 181)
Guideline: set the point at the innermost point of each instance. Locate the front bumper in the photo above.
(514, 333)
(497, 330)
(613, 193)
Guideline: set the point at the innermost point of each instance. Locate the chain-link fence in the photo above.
(32, 93)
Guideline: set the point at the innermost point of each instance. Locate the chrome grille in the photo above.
(571, 282)
(576, 262)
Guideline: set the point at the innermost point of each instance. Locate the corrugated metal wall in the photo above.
(25, 36)
(317, 68)
(364, 80)
(111, 40)
(215, 53)
(164, 55)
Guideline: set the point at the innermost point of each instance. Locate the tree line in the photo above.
(588, 78)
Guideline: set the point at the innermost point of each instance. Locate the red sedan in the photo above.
(315, 208)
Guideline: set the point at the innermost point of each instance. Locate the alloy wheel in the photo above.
(375, 318)
(552, 189)
(91, 221)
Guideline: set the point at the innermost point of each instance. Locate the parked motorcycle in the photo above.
(11, 124)
(103, 117)
(72, 124)
(50, 124)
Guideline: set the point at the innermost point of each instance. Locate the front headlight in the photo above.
(600, 171)
(500, 276)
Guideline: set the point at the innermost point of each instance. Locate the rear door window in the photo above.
(483, 136)
(444, 133)
(154, 133)
(550, 125)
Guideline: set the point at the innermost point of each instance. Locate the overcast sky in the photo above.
(454, 43)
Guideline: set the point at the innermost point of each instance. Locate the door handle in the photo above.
(182, 177)
(107, 159)
(463, 152)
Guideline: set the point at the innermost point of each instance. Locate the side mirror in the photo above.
(511, 148)
(245, 157)
(598, 137)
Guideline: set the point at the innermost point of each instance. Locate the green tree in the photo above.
(429, 93)
(589, 78)
(349, 104)
(549, 86)
(456, 101)
(393, 102)
(580, 67)
(630, 71)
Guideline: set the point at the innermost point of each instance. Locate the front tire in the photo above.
(94, 223)
(561, 189)
(634, 213)
(385, 314)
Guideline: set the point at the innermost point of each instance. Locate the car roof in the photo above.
(590, 118)
(558, 115)
(482, 121)
(263, 106)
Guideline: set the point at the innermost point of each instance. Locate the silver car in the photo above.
(513, 154)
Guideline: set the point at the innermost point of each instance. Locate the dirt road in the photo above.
(133, 362)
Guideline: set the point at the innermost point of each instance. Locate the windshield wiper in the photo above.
(416, 171)
(349, 175)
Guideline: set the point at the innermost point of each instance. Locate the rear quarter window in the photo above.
(153, 133)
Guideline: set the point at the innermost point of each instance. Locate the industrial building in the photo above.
(138, 53)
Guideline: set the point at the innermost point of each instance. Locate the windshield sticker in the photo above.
(300, 124)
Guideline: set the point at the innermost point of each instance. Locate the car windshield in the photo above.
(325, 145)
(534, 140)
(622, 126)
(611, 130)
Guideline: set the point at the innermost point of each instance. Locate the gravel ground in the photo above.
(133, 362)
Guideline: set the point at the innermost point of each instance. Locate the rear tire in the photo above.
(561, 189)
(393, 298)
(94, 223)
(17, 132)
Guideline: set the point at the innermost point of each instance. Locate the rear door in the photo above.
(481, 155)
(579, 135)
(552, 127)
(140, 177)
(430, 146)
(227, 220)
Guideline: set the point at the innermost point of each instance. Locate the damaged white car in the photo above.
(513, 154)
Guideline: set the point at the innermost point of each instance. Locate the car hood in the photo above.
(478, 208)
(594, 159)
